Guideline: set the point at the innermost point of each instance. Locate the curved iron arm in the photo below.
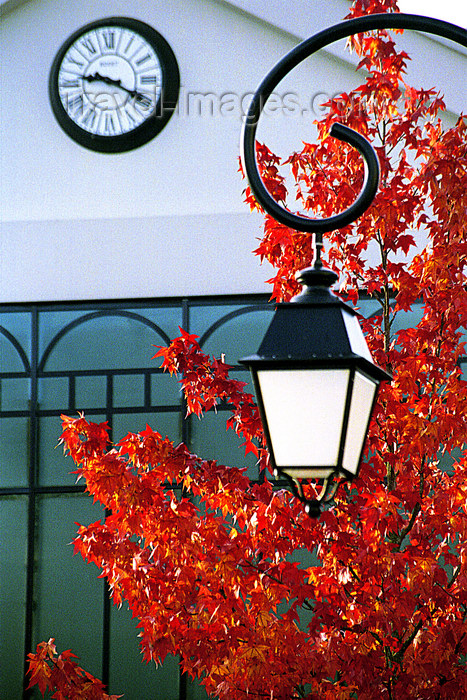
(288, 63)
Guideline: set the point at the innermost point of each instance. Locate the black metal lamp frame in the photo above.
(323, 277)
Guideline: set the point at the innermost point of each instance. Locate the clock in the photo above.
(114, 84)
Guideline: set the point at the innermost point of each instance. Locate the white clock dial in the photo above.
(110, 79)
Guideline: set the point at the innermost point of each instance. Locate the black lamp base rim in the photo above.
(313, 506)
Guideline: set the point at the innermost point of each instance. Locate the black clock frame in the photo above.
(158, 119)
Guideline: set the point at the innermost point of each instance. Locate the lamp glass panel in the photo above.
(304, 411)
(363, 395)
(355, 335)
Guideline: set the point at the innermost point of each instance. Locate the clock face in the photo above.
(114, 84)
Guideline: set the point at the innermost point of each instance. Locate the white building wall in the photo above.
(168, 218)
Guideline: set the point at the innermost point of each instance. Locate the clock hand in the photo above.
(102, 78)
(143, 99)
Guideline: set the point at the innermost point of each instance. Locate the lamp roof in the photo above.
(315, 328)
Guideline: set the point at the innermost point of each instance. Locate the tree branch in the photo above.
(400, 537)
(455, 574)
(347, 566)
(409, 640)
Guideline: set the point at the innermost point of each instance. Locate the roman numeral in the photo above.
(109, 38)
(148, 79)
(142, 60)
(131, 120)
(70, 83)
(129, 44)
(109, 124)
(89, 118)
(86, 43)
(143, 101)
(75, 104)
(70, 59)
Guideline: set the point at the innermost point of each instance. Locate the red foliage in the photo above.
(212, 565)
(52, 671)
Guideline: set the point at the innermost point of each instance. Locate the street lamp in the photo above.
(314, 378)
(316, 385)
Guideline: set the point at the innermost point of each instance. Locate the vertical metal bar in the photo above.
(147, 390)
(185, 424)
(106, 631)
(72, 393)
(186, 314)
(106, 611)
(32, 478)
(183, 686)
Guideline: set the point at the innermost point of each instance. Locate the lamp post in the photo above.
(314, 378)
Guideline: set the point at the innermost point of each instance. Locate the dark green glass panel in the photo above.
(53, 393)
(211, 440)
(90, 392)
(14, 394)
(54, 468)
(52, 322)
(367, 307)
(18, 325)
(196, 691)
(13, 553)
(128, 390)
(164, 423)
(165, 390)
(204, 316)
(68, 595)
(104, 342)
(14, 458)
(447, 460)
(129, 673)
(407, 319)
(235, 336)
(167, 317)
